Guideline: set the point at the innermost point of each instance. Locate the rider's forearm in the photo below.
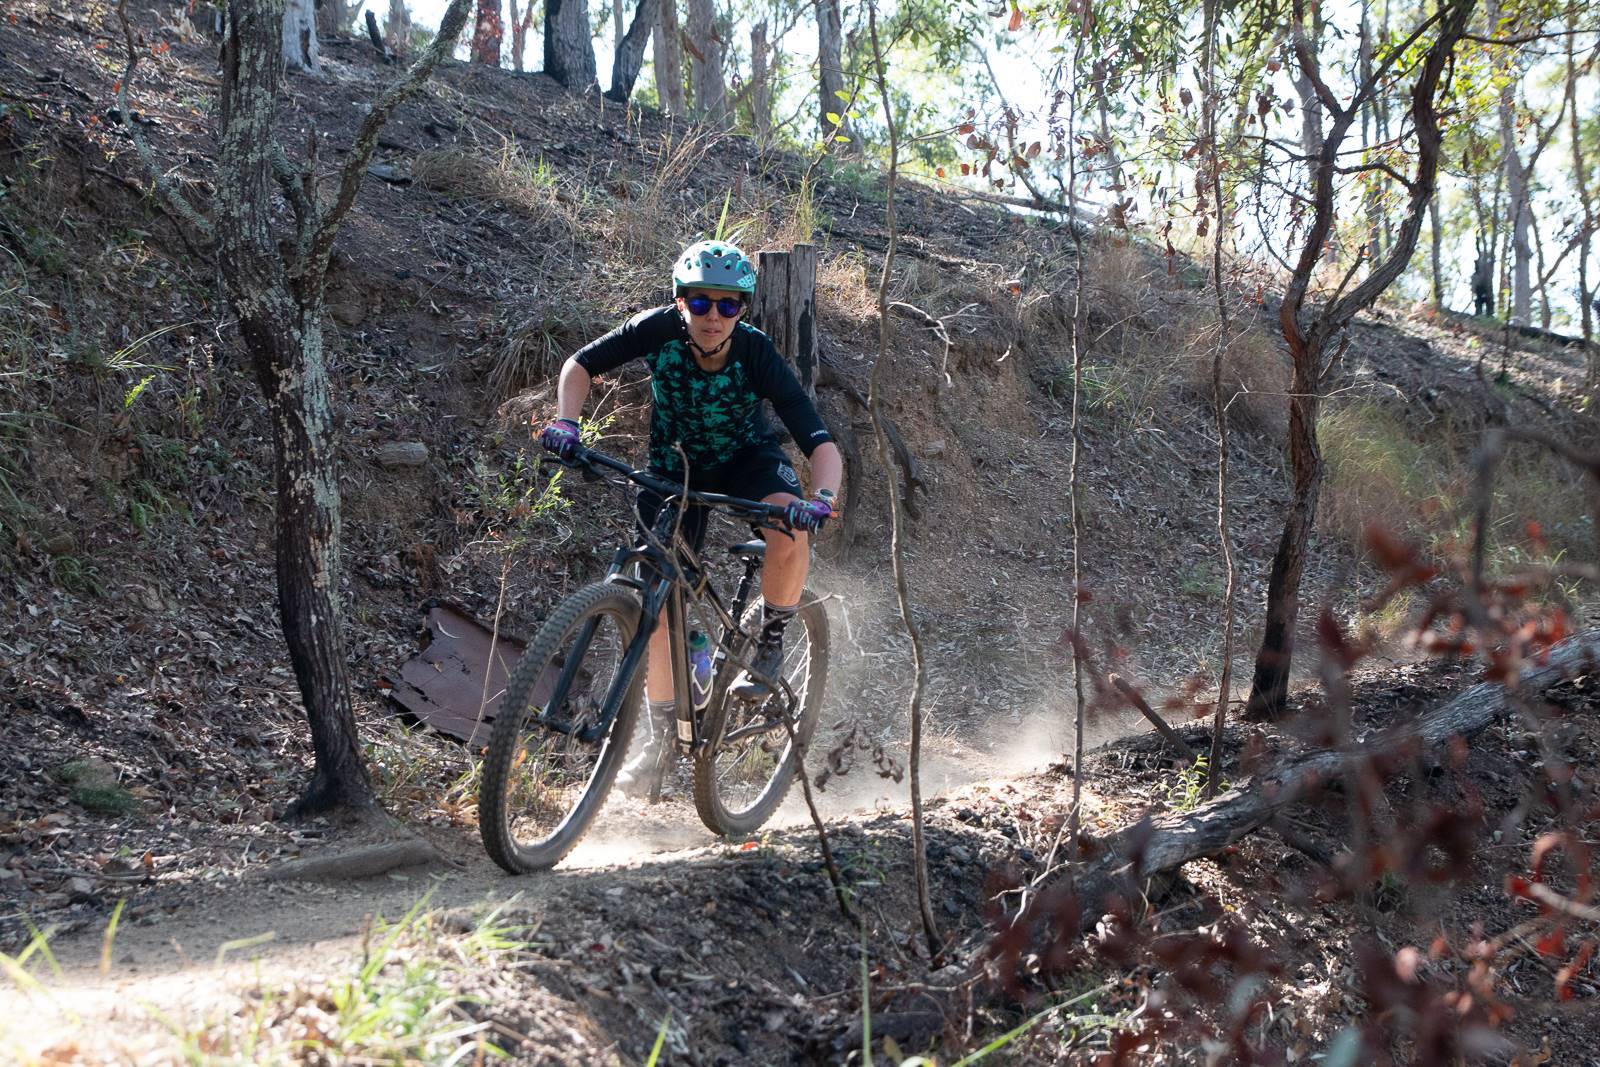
(572, 390)
(827, 468)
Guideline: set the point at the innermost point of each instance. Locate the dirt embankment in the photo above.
(154, 727)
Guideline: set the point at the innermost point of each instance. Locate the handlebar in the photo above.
(756, 511)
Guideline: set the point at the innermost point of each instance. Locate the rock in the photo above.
(397, 454)
(385, 172)
(349, 313)
(62, 544)
(934, 449)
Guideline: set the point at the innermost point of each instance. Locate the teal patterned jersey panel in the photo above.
(711, 415)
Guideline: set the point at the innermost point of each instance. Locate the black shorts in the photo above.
(752, 474)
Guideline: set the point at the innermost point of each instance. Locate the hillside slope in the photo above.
(506, 223)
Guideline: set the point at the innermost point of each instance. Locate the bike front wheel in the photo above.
(753, 749)
(561, 731)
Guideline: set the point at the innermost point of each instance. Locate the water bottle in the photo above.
(699, 669)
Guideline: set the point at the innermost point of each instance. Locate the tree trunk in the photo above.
(760, 87)
(293, 373)
(1269, 688)
(336, 17)
(397, 29)
(669, 60)
(568, 49)
(282, 331)
(710, 102)
(630, 50)
(299, 36)
(487, 33)
(785, 308)
(1518, 205)
(831, 95)
(520, 21)
(1372, 184)
(1436, 253)
(1580, 171)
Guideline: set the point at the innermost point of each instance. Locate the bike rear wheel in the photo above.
(562, 730)
(750, 755)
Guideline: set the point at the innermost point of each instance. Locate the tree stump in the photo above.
(785, 308)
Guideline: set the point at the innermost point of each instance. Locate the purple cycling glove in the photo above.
(560, 438)
(808, 515)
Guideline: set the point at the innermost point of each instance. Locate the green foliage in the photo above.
(76, 576)
(516, 502)
(401, 1005)
(1201, 581)
(1187, 791)
(93, 785)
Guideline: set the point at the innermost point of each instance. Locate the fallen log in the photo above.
(1157, 847)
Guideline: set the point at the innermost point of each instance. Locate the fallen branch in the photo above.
(1155, 847)
(1134, 697)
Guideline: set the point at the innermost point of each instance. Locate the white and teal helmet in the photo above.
(714, 265)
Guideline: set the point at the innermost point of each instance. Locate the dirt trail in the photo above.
(242, 936)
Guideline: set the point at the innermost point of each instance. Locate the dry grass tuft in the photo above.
(1255, 376)
(1376, 471)
(506, 175)
(846, 296)
(535, 346)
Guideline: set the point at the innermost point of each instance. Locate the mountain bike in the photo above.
(571, 703)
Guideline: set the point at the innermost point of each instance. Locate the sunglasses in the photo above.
(728, 307)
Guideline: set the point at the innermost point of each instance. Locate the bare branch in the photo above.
(366, 142)
(1382, 168)
(168, 193)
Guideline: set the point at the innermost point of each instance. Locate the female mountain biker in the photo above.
(709, 374)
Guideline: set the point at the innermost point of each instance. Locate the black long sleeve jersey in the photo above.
(713, 414)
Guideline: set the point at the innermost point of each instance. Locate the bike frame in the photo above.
(667, 568)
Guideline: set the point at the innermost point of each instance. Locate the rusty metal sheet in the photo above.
(451, 684)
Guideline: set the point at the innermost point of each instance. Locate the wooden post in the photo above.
(785, 308)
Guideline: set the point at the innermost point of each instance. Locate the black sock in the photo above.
(773, 620)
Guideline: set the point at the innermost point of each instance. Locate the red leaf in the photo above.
(1016, 20)
(965, 127)
(1551, 944)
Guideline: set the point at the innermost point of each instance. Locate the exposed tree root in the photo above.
(828, 376)
(359, 863)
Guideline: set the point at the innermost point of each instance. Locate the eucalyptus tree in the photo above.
(1313, 319)
(629, 56)
(832, 97)
(568, 46)
(298, 36)
(275, 277)
(668, 46)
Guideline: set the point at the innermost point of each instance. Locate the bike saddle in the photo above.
(749, 550)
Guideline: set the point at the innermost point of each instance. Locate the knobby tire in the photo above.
(725, 713)
(515, 734)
